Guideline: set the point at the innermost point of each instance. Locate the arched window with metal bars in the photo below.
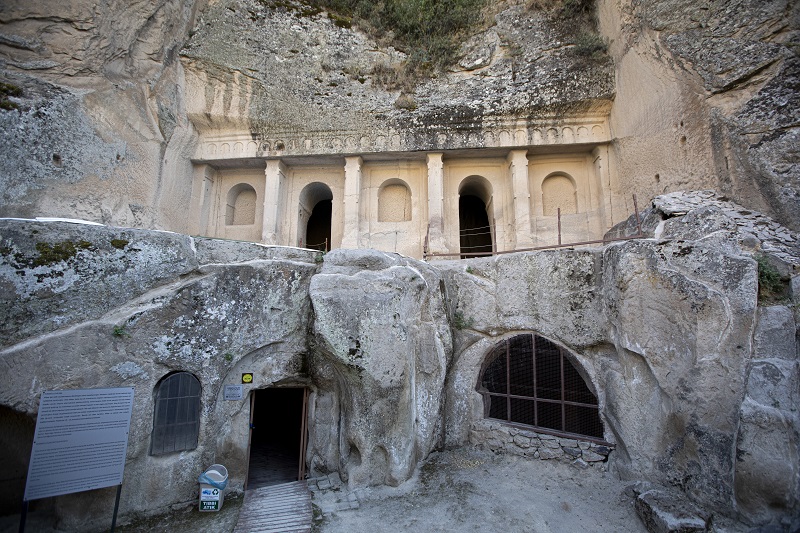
(530, 380)
(176, 420)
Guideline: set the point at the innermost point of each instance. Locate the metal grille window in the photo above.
(529, 380)
(176, 421)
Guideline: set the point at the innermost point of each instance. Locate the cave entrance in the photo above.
(316, 210)
(475, 225)
(277, 436)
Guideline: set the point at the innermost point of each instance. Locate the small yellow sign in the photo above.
(247, 378)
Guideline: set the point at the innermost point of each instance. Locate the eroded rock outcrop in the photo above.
(694, 366)
(383, 345)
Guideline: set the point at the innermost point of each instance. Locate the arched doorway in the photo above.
(316, 208)
(475, 225)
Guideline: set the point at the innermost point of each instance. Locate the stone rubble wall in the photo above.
(502, 438)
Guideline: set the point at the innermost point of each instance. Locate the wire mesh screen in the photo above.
(176, 421)
(529, 380)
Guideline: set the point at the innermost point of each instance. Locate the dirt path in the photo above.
(475, 491)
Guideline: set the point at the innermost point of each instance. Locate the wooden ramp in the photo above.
(276, 509)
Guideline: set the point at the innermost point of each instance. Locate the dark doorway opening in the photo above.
(318, 231)
(277, 436)
(476, 232)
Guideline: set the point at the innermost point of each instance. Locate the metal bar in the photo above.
(638, 220)
(563, 407)
(546, 400)
(549, 247)
(301, 470)
(508, 382)
(535, 390)
(558, 212)
(23, 517)
(116, 508)
(493, 236)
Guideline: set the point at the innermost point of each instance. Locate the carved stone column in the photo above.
(201, 204)
(352, 197)
(518, 168)
(436, 239)
(275, 175)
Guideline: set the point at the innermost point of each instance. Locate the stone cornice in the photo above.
(506, 134)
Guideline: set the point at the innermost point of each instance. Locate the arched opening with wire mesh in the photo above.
(475, 227)
(316, 207)
(531, 381)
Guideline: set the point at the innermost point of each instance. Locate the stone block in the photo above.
(666, 512)
(495, 444)
(549, 453)
(522, 442)
(592, 457)
(775, 335)
(767, 457)
(773, 383)
(580, 463)
(573, 452)
(334, 480)
(552, 444)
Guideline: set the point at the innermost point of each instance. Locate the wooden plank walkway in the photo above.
(276, 509)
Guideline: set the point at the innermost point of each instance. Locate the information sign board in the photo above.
(80, 441)
(234, 392)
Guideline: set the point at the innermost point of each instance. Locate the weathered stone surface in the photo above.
(775, 335)
(56, 274)
(708, 92)
(210, 251)
(384, 344)
(667, 333)
(766, 461)
(99, 132)
(665, 512)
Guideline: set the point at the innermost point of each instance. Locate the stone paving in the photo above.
(330, 495)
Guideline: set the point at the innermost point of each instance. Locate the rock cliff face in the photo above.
(696, 380)
(708, 94)
(114, 95)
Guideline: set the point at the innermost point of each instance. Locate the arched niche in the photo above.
(394, 201)
(240, 205)
(559, 192)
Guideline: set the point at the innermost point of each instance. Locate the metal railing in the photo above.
(426, 253)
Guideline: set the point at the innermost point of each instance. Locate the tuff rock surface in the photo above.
(696, 378)
(115, 95)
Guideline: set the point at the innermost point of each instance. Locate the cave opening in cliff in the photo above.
(277, 436)
(316, 210)
(475, 228)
